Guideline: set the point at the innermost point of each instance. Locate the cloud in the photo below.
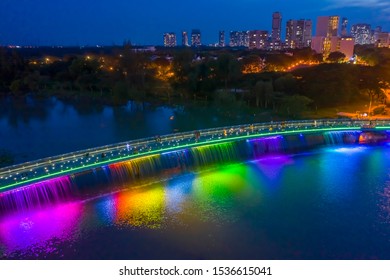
(382, 6)
(374, 4)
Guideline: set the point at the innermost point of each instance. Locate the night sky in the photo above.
(108, 22)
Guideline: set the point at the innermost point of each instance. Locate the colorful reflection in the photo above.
(177, 192)
(371, 137)
(348, 150)
(273, 166)
(38, 228)
(337, 164)
(141, 207)
(218, 194)
(272, 207)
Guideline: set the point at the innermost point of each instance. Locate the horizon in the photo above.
(102, 23)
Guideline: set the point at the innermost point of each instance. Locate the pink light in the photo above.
(19, 231)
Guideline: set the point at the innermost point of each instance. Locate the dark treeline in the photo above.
(5, 158)
(287, 83)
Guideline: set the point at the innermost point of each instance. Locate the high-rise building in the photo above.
(383, 40)
(327, 26)
(221, 39)
(239, 39)
(298, 33)
(184, 39)
(258, 39)
(362, 33)
(375, 34)
(326, 45)
(344, 27)
(346, 46)
(276, 43)
(196, 38)
(326, 34)
(170, 39)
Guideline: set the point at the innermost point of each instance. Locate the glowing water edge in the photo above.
(329, 203)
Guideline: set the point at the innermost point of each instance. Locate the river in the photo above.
(32, 128)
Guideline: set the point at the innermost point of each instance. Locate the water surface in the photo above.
(32, 128)
(331, 203)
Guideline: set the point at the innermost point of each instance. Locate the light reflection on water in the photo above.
(23, 232)
(332, 205)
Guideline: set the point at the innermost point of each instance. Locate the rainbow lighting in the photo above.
(28, 173)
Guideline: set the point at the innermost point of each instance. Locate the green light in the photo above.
(153, 152)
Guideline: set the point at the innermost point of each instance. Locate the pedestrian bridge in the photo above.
(16, 176)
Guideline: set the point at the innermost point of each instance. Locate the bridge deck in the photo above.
(15, 176)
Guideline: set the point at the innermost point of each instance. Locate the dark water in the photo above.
(35, 128)
(331, 203)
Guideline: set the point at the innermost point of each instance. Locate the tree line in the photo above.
(286, 83)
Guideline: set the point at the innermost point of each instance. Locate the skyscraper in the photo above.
(327, 26)
(258, 39)
(221, 39)
(170, 39)
(375, 34)
(326, 39)
(239, 39)
(346, 45)
(276, 31)
(298, 33)
(383, 40)
(344, 27)
(362, 33)
(184, 39)
(196, 38)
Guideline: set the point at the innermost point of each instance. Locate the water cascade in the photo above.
(140, 171)
(341, 137)
(36, 195)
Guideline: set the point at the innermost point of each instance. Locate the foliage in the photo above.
(336, 57)
(295, 104)
(263, 80)
(5, 158)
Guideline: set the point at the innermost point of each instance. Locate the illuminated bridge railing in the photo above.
(15, 176)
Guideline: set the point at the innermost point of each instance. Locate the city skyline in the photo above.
(108, 23)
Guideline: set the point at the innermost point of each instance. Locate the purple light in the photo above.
(18, 231)
(36, 195)
(272, 166)
(265, 139)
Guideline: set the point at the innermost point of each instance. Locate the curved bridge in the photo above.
(16, 176)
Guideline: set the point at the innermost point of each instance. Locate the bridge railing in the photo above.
(33, 171)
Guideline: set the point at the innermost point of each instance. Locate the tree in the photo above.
(329, 85)
(228, 69)
(372, 85)
(368, 54)
(336, 57)
(85, 73)
(286, 84)
(5, 158)
(252, 64)
(259, 93)
(262, 92)
(296, 104)
(181, 65)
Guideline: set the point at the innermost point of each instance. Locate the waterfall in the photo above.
(37, 195)
(341, 137)
(140, 171)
